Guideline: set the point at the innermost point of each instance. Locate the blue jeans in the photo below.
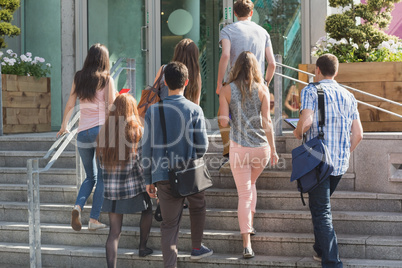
(86, 142)
(325, 244)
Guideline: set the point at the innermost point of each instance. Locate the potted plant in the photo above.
(370, 60)
(25, 93)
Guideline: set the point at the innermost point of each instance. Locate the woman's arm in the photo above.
(112, 93)
(224, 101)
(68, 111)
(289, 100)
(198, 96)
(267, 123)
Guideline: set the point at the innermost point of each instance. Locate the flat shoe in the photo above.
(95, 226)
(76, 219)
(145, 252)
(248, 253)
(317, 258)
(253, 232)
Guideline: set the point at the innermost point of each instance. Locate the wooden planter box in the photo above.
(383, 79)
(26, 104)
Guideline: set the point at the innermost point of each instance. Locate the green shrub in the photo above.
(7, 9)
(353, 42)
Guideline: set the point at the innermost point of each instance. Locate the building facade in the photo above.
(61, 31)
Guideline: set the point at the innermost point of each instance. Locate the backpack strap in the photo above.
(321, 109)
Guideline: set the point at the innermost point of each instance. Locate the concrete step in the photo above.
(227, 198)
(268, 180)
(48, 193)
(17, 256)
(31, 142)
(18, 175)
(275, 180)
(290, 200)
(222, 242)
(19, 159)
(345, 222)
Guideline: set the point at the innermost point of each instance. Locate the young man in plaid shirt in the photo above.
(343, 131)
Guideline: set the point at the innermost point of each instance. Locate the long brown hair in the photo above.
(120, 134)
(186, 52)
(94, 74)
(244, 73)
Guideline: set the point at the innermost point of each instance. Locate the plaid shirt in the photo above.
(340, 111)
(125, 182)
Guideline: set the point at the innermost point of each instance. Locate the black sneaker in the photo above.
(197, 254)
(145, 252)
(248, 253)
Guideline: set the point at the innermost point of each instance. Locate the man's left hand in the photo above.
(151, 190)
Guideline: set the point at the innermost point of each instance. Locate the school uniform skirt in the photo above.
(132, 205)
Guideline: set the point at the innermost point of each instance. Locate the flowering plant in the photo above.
(348, 51)
(24, 65)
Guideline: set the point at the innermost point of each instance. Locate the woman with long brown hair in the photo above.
(120, 158)
(252, 141)
(94, 87)
(186, 52)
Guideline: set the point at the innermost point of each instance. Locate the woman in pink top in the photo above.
(93, 86)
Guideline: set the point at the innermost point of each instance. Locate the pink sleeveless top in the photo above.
(92, 112)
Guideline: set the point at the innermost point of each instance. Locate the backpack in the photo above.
(149, 96)
(311, 162)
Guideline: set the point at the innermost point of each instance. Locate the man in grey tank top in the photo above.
(243, 35)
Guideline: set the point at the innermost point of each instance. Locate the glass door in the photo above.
(117, 24)
(170, 21)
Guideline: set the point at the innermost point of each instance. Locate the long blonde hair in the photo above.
(186, 52)
(120, 134)
(245, 73)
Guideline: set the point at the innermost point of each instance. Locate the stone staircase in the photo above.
(368, 225)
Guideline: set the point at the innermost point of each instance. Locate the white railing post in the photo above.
(78, 168)
(34, 214)
(278, 97)
(35, 164)
(131, 76)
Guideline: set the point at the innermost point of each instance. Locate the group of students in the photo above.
(125, 155)
(109, 141)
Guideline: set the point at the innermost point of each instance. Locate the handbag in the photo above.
(149, 96)
(186, 178)
(311, 162)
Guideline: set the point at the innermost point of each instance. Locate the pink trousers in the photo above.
(247, 163)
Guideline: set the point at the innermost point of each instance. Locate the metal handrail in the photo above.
(33, 171)
(347, 87)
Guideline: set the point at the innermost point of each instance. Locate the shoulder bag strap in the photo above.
(321, 108)
(163, 124)
(157, 82)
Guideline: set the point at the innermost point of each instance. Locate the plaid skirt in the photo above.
(132, 205)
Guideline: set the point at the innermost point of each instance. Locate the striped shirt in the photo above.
(125, 181)
(340, 111)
